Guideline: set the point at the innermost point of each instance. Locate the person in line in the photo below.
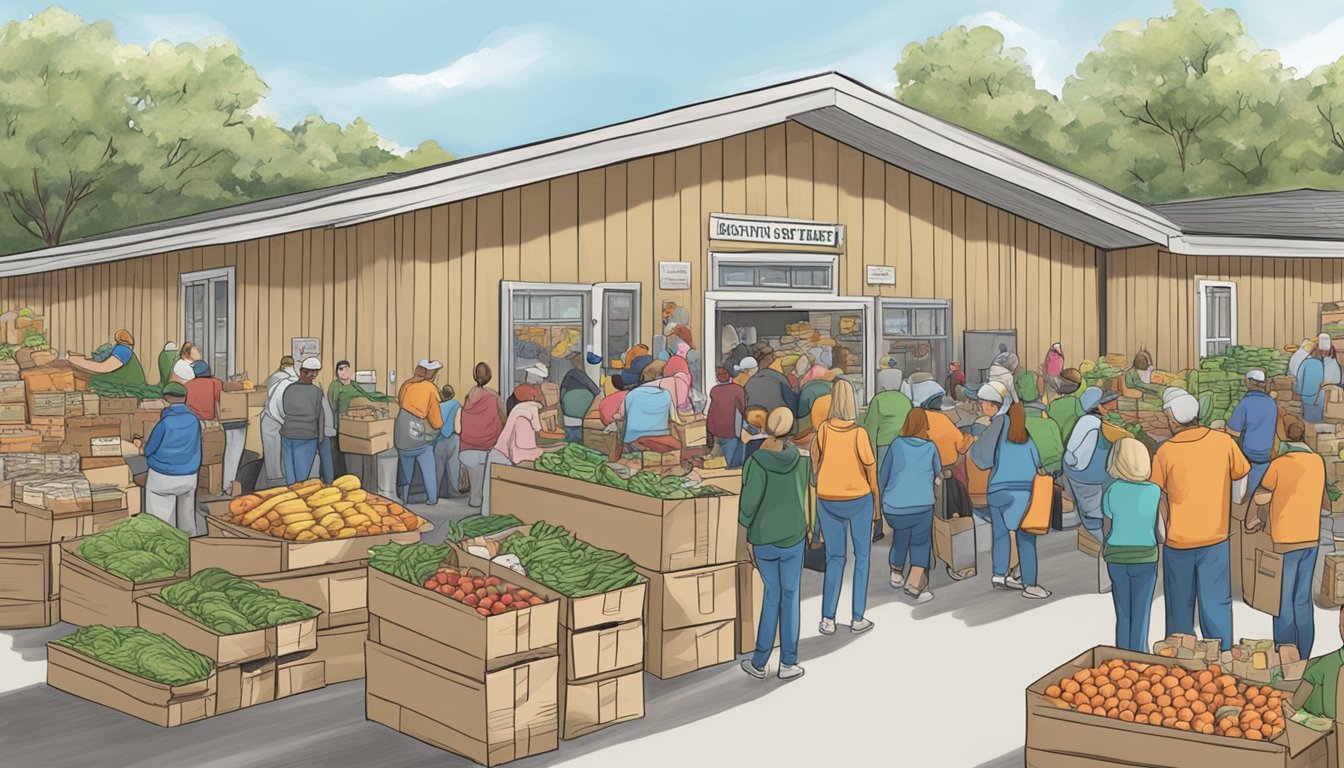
(678, 373)
(1256, 422)
(909, 472)
(678, 385)
(768, 387)
(1006, 450)
(482, 420)
(304, 416)
(1085, 463)
(1310, 380)
(166, 359)
(1064, 408)
(928, 396)
(121, 365)
(340, 392)
(772, 509)
(448, 447)
(1195, 469)
(578, 392)
(285, 370)
(530, 389)
(609, 407)
(814, 402)
(885, 418)
(1053, 365)
(955, 379)
(273, 419)
(1316, 694)
(821, 358)
(326, 460)
(203, 392)
(186, 358)
(990, 397)
(1131, 535)
(417, 426)
(647, 414)
(173, 452)
(1295, 486)
(1044, 432)
(753, 430)
(1332, 370)
(848, 503)
(517, 442)
(725, 415)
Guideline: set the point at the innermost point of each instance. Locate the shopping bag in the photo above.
(1037, 519)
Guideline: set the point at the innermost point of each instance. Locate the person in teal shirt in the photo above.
(886, 413)
(1044, 431)
(1129, 519)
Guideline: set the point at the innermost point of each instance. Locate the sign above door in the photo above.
(776, 231)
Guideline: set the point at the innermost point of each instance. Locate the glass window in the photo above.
(772, 277)
(1218, 311)
(737, 277)
(207, 319)
(768, 276)
(551, 328)
(914, 338)
(618, 322)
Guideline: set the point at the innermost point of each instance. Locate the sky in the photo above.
(508, 73)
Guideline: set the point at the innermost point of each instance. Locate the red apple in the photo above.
(506, 598)
(493, 581)
(431, 584)
(498, 608)
(483, 611)
(534, 600)
(471, 600)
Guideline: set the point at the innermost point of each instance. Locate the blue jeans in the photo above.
(1202, 576)
(1132, 587)
(1295, 624)
(835, 517)
(732, 450)
(1253, 479)
(782, 573)
(326, 468)
(1006, 510)
(299, 456)
(910, 532)
(407, 463)
(574, 434)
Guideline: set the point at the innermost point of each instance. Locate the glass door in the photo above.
(617, 306)
(915, 337)
(547, 323)
(208, 317)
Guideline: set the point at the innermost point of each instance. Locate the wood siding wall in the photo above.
(1153, 302)
(426, 284)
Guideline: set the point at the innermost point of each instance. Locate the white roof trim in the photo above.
(1220, 245)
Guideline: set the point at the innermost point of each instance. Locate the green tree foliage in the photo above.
(98, 135)
(1187, 105)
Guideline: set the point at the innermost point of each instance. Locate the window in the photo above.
(809, 272)
(546, 323)
(620, 323)
(207, 317)
(915, 336)
(1217, 317)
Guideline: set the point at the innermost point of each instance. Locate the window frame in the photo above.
(1202, 298)
(785, 260)
(209, 276)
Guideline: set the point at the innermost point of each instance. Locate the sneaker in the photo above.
(759, 674)
(827, 627)
(922, 597)
(1005, 582)
(1036, 592)
(860, 626)
(897, 579)
(789, 671)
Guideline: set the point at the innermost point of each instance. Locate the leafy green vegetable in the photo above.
(478, 525)
(1333, 492)
(409, 562)
(144, 654)
(576, 568)
(123, 389)
(228, 604)
(580, 463)
(142, 548)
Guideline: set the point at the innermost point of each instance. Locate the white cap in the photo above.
(1255, 374)
(538, 369)
(1171, 393)
(312, 364)
(747, 364)
(1184, 408)
(993, 392)
(431, 365)
(1323, 340)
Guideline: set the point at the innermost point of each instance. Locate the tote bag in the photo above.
(1037, 519)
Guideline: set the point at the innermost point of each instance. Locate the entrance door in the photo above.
(207, 317)
(1217, 316)
(545, 323)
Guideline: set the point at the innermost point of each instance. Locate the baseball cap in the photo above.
(1255, 374)
(174, 389)
(311, 364)
(431, 365)
(200, 368)
(593, 358)
(747, 364)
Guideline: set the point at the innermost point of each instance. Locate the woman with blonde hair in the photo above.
(1129, 509)
(847, 503)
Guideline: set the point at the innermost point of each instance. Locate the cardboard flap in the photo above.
(1268, 586)
(1299, 737)
(611, 603)
(606, 700)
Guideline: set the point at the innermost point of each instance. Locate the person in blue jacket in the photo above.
(173, 452)
(1310, 379)
(908, 475)
(1013, 463)
(1256, 419)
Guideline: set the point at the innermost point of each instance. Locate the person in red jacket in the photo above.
(203, 392)
(482, 420)
(724, 419)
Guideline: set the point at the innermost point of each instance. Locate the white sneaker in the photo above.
(860, 626)
(923, 597)
(1036, 592)
(827, 627)
(897, 579)
(789, 671)
(1005, 582)
(752, 670)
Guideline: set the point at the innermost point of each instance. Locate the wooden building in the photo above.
(816, 208)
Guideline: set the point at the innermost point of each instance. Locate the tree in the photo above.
(99, 135)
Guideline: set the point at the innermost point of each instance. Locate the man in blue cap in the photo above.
(577, 394)
(173, 452)
(1256, 421)
(1085, 469)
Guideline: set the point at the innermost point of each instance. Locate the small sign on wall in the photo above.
(674, 275)
(367, 377)
(304, 348)
(881, 275)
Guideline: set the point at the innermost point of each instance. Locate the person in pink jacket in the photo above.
(517, 443)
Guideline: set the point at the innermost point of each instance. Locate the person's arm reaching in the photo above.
(89, 366)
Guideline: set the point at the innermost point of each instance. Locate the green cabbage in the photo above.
(229, 605)
(140, 549)
(144, 654)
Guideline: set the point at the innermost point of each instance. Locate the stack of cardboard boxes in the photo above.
(366, 427)
(210, 479)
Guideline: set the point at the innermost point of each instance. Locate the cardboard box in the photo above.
(1062, 737)
(605, 443)
(162, 705)
(349, 426)
(29, 614)
(954, 543)
(14, 439)
(44, 525)
(212, 442)
(595, 652)
(13, 392)
(692, 432)
(291, 637)
(111, 406)
(271, 555)
(366, 446)
(658, 534)
(13, 413)
(142, 423)
(1332, 580)
(82, 432)
(510, 715)
(210, 479)
(339, 590)
(448, 634)
(550, 394)
(669, 653)
(339, 654)
(654, 459)
(29, 586)
(300, 673)
(1087, 543)
(589, 706)
(245, 685)
(691, 597)
(50, 427)
(750, 597)
(94, 596)
(233, 406)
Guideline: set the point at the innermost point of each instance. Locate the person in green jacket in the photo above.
(886, 413)
(343, 388)
(771, 508)
(167, 358)
(1044, 431)
(121, 365)
(1065, 409)
(1316, 693)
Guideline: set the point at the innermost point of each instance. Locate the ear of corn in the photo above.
(310, 511)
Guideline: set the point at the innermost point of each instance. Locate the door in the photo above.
(208, 317)
(546, 323)
(617, 309)
(1217, 316)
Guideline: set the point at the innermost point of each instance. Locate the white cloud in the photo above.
(502, 58)
(1317, 49)
(1046, 56)
(147, 29)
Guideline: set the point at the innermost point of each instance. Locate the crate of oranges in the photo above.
(1138, 709)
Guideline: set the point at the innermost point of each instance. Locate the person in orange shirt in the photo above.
(847, 503)
(1294, 489)
(951, 441)
(1195, 470)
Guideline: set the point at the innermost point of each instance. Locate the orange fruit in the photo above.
(1259, 701)
(1168, 722)
(1147, 709)
(1255, 735)
(1154, 718)
(1181, 725)
(1089, 690)
(1158, 689)
(1198, 707)
(1170, 682)
(1084, 709)
(1117, 673)
(1071, 686)
(1185, 714)
(1112, 703)
(1124, 694)
(1112, 713)
(1124, 683)
(1143, 685)
(1234, 732)
(1142, 697)
(1127, 716)
(1053, 691)
(1180, 702)
(1107, 690)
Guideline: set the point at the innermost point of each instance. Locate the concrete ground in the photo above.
(935, 684)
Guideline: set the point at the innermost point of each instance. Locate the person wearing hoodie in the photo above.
(772, 509)
(1044, 432)
(769, 387)
(1256, 422)
(1006, 450)
(517, 442)
(1064, 407)
(908, 474)
(173, 451)
(886, 413)
(814, 402)
(1310, 380)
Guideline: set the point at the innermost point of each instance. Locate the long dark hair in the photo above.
(916, 424)
(1017, 423)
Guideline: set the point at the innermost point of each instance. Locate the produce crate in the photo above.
(338, 658)
(659, 534)
(339, 590)
(111, 406)
(1332, 580)
(13, 392)
(29, 586)
(509, 715)
(692, 432)
(91, 595)
(42, 525)
(157, 703)
(238, 648)
(596, 703)
(602, 651)
(673, 652)
(272, 555)
(449, 634)
(691, 597)
(13, 413)
(245, 685)
(212, 443)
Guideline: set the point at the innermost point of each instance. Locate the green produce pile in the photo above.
(409, 562)
(121, 389)
(1220, 382)
(581, 463)
(1100, 373)
(144, 654)
(478, 525)
(228, 604)
(1333, 492)
(142, 548)
(1240, 359)
(31, 338)
(575, 568)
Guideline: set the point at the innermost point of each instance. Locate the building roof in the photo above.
(830, 102)
(1296, 214)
